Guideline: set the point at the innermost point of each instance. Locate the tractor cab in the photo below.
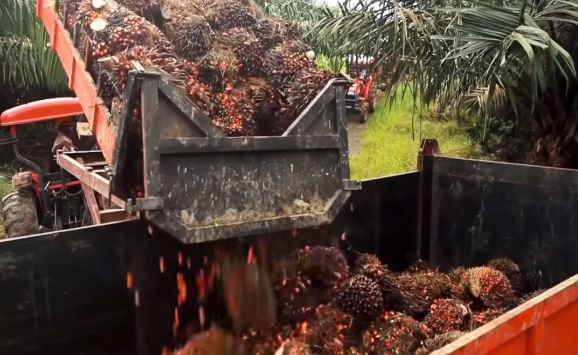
(360, 97)
(44, 199)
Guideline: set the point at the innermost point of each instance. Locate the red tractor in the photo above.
(43, 200)
(360, 99)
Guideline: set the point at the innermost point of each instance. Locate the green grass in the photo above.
(389, 147)
(4, 186)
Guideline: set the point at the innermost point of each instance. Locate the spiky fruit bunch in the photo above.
(421, 266)
(192, 37)
(234, 14)
(145, 8)
(329, 331)
(247, 48)
(531, 295)
(298, 94)
(458, 287)
(360, 297)
(482, 317)
(287, 58)
(447, 315)
(271, 32)
(118, 29)
(438, 342)
(370, 266)
(202, 95)
(512, 272)
(325, 266)
(491, 286)
(235, 113)
(121, 64)
(295, 297)
(419, 290)
(219, 68)
(393, 333)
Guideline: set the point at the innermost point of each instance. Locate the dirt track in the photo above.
(355, 131)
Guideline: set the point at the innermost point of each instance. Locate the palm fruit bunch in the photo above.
(235, 113)
(296, 347)
(393, 333)
(200, 92)
(370, 266)
(421, 266)
(296, 301)
(490, 286)
(298, 93)
(247, 48)
(324, 266)
(419, 290)
(287, 58)
(192, 38)
(447, 315)
(189, 29)
(438, 342)
(531, 295)
(146, 8)
(122, 63)
(273, 32)
(512, 272)
(112, 28)
(219, 69)
(359, 296)
(458, 287)
(482, 317)
(233, 14)
(328, 332)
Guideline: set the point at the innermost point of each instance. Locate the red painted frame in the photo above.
(42, 110)
(544, 325)
(80, 80)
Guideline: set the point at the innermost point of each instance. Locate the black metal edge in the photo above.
(491, 171)
(241, 144)
(427, 151)
(243, 229)
(314, 109)
(344, 169)
(122, 136)
(187, 107)
(149, 113)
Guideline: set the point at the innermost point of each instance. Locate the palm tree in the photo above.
(26, 62)
(519, 53)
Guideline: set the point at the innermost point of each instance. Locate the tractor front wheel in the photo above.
(19, 214)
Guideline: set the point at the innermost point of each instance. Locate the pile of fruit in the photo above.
(336, 301)
(250, 74)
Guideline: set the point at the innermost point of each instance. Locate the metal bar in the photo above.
(244, 144)
(114, 215)
(91, 203)
(93, 181)
(429, 147)
(342, 132)
(125, 118)
(313, 111)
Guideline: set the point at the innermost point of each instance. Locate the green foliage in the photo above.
(464, 52)
(25, 59)
(392, 139)
(305, 13)
(332, 64)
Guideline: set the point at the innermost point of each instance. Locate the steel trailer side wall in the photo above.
(66, 293)
(483, 210)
